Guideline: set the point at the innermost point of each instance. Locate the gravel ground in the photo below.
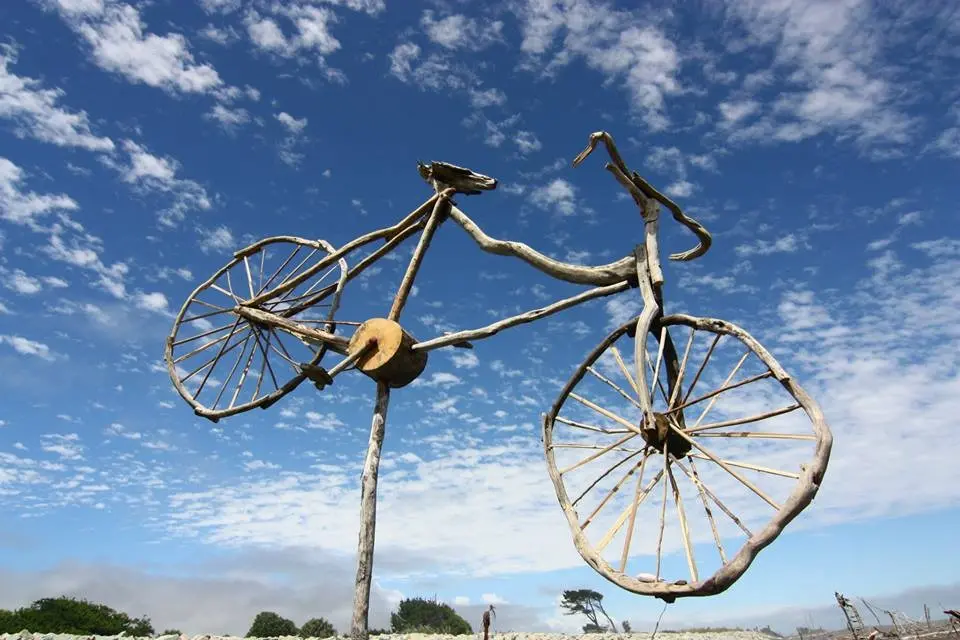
(672, 635)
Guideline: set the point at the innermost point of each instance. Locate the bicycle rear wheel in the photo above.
(222, 363)
(640, 499)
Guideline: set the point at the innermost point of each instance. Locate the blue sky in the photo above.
(141, 144)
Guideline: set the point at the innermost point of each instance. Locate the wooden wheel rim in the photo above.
(803, 493)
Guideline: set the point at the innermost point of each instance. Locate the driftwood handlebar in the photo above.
(641, 190)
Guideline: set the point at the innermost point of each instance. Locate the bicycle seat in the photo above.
(443, 175)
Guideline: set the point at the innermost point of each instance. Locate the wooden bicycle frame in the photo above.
(641, 269)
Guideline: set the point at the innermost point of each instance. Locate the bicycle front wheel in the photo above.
(222, 363)
(681, 506)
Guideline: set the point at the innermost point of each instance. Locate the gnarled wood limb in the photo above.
(577, 274)
(523, 318)
(440, 208)
(368, 516)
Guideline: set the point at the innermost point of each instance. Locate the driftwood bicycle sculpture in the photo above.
(638, 405)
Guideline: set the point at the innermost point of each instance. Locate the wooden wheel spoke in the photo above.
(283, 354)
(714, 395)
(610, 495)
(614, 386)
(265, 354)
(659, 382)
(663, 510)
(599, 453)
(615, 528)
(634, 505)
(589, 427)
(346, 323)
(684, 529)
(753, 467)
(706, 507)
(202, 335)
(266, 284)
(209, 305)
(703, 365)
(581, 445)
(738, 421)
(233, 370)
(201, 316)
(602, 476)
(286, 354)
(605, 412)
(296, 269)
(757, 434)
(626, 372)
(209, 362)
(723, 465)
(243, 375)
(695, 478)
(217, 357)
(246, 266)
(263, 264)
(232, 294)
(308, 292)
(724, 388)
(656, 370)
(683, 367)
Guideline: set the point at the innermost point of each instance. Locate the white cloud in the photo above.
(527, 142)
(228, 118)
(294, 126)
(35, 111)
(120, 44)
(463, 359)
(839, 83)
(438, 379)
(66, 446)
(458, 31)
(323, 421)
(735, 111)
(482, 98)
(433, 72)
(784, 244)
(149, 172)
(558, 194)
(22, 207)
(27, 347)
(155, 301)
(22, 283)
(680, 189)
(220, 6)
(219, 239)
(948, 142)
(311, 31)
(621, 45)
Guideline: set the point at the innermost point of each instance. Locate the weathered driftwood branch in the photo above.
(599, 275)
(440, 208)
(523, 318)
(634, 183)
(368, 516)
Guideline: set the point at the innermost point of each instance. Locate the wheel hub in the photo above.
(660, 433)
